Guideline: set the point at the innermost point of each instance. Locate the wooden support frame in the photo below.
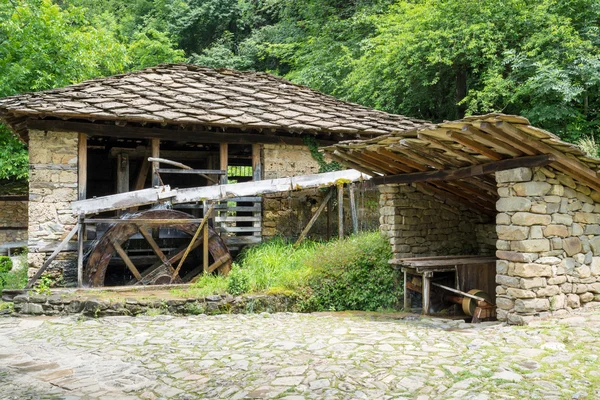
(353, 211)
(122, 173)
(466, 172)
(155, 145)
(256, 162)
(82, 166)
(473, 145)
(80, 248)
(457, 153)
(340, 192)
(314, 217)
(223, 161)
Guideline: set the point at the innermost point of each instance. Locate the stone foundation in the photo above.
(548, 245)
(52, 187)
(418, 223)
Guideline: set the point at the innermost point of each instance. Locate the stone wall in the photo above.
(548, 245)
(286, 214)
(418, 223)
(52, 187)
(13, 214)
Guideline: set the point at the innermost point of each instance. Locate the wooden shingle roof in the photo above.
(186, 95)
(457, 159)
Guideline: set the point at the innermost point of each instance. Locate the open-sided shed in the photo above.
(491, 185)
(94, 139)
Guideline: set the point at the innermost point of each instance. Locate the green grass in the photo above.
(13, 277)
(349, 274)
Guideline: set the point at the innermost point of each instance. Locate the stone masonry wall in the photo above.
(286, 214)
(13, 214)
(548, 245)
(420, 224)
(52, 187)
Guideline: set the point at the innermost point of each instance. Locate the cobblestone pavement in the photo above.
(296, 356)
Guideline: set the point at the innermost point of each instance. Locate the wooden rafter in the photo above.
(475, 146)
(492, 142)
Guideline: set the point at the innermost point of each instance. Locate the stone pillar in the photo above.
(548, 245)
(52, 187)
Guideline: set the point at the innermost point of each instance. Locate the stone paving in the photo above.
(297, 356)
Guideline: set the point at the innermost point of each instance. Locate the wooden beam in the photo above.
(82, 166)
(446, 193)
(402, 159)
(123, 254)
(122, 201)
(80, 244)
(122, 173)
(503, 136)
(374, 160)
(314, 218)
(223, 161)
(466, 172)
(335, 156)
(256, 162)
(353, 212)
(154, 245)
(155, 152)
(58, 249)
(192, 171)
(178, 135)
(473, 145)
(491, 141)
(360, 162)
(340, 190)
(142, 174)
(425, 161)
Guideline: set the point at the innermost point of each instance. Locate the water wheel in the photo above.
(130, 254)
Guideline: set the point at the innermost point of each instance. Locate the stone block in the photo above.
(572, 246)
(512, 232)
(558, 302)
(557, 280)
(580, 288)
(527, 219)
(504, 303)
(586, 297)
(566, 287)
(532, 305)
(531, 246)
(502, 219)
(533, 283)
(556, 230)
(566, 181)
(595, 266)
(532, 188)
(509, 204)
(548, 260)
(583, 272)
(520, 293)
(531, 270)
(548, 291)
(514, 175)
(501, 267)
(592, 229)
(594, 287)
(595, 245)
(509, 281)
(586, 218)
(516, 256)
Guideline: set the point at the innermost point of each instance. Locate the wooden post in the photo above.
(256, 164)
(314, 218)
(340, 190)
(155, 143)
(329, 218)
(407, 305)
(223, 161)
(82, 167)
(205, 249)
(426, 292)
(80, 240)
(122, 173)
(353, 211)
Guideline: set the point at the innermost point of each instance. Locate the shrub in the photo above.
(238, 281)
(5, 264)
(353, 274)
(12, 278)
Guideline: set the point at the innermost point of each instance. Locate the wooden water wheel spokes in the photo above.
(164, 268)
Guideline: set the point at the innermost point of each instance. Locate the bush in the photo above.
(353, 274)
(238, 281)
(12, 278)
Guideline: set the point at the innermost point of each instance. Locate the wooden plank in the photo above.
(167, 133)
(122, 200)
(352, 165)
(53, 256)
(340, 191)
(426, 162)
(450, 262)
(379, 162)
(205, 249)
(142, 174)
(186, 169)
(466, 172)
(141, 221)
(500, 135)
(238, 240)
(473, 145)
(314, 218)
(126, 259)
(122, 173)
(246, 199)
(222, 260)
(155, 247)
(80, 253)
(223, 161)
(224, 207)
(360, 161)
(353, 211)
(402, 159)
(426, 293)
(192, 171)
(429, 258)
(235, 218)
(234, 229)
(256, 162)
(82, 166)
(155, 151)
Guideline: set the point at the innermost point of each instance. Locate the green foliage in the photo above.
(324, 166)
(12, 278)
(353, 274)
(238, 281)
(151, 47)
(43, 285)
(210, 284)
